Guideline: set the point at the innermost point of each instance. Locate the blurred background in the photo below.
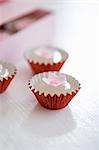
(75, 29)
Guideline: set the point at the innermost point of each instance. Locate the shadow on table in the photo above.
(48, 123)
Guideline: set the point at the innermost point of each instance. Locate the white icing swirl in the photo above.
(3, 71)
(46, 55)
(66, 84)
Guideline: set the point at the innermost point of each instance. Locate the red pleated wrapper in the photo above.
(5, 82)
(39, 68)
(54, 102)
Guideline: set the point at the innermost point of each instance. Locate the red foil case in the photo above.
(5, 82)
(39, 68)
(56, 101)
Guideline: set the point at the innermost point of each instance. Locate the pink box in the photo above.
(39, 32)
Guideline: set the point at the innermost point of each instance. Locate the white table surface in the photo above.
(24, 124)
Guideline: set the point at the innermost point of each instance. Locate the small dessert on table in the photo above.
(54, 90)
(7, 73)
(45, 59)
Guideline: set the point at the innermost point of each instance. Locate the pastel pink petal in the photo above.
(54, 83)
(46, 80)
